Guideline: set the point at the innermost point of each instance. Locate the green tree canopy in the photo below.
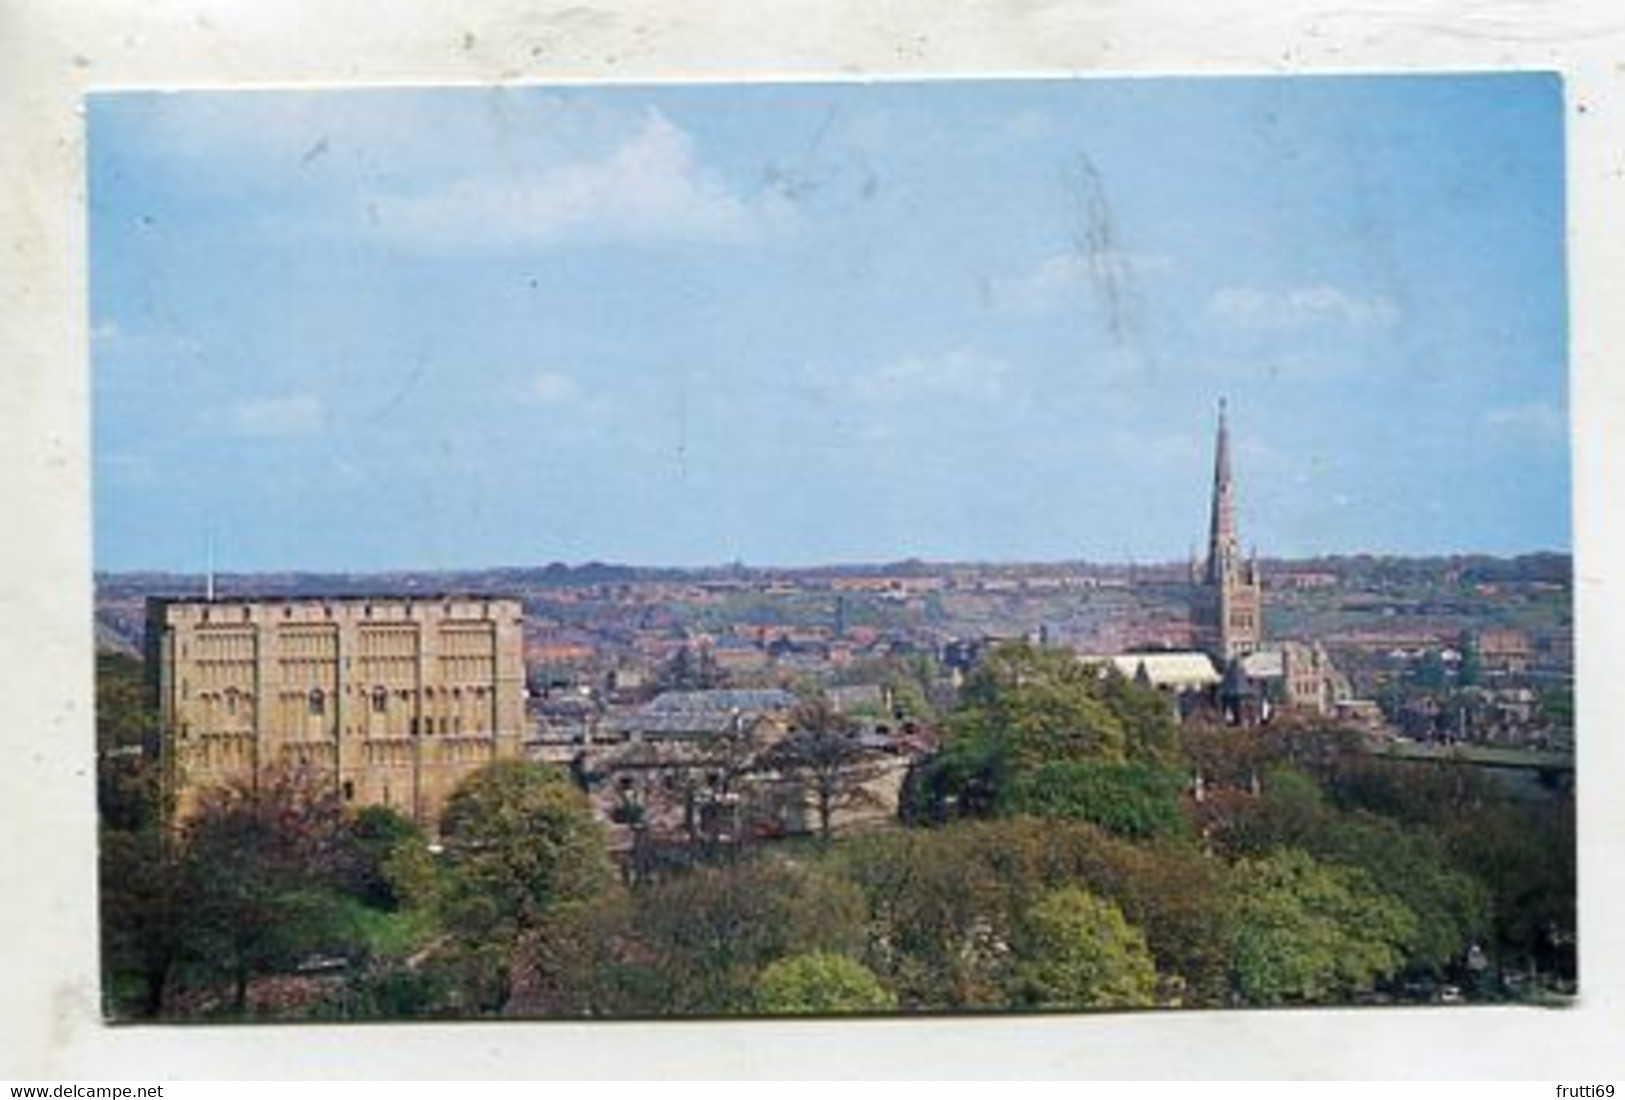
(1408, 863)
(1452, 907)
(1025, 709)
(946, 904)
(1526, 856)
(378, 833)
(127, 770)
(1311, 933)
(820, 983)
(705, 934)
(1038, 706)
(520, 842)
(262, 869)
(1130, 800)
(1075, 950)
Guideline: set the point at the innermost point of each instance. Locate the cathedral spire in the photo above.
(1222, 548)
(1229, 607)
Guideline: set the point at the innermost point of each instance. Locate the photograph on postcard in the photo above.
(904, 547)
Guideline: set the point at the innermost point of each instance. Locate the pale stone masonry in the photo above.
(388, 701)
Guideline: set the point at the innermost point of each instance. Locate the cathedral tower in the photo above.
(1228, 605)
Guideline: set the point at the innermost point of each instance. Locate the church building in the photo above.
(1228, 604)
(1227, 613)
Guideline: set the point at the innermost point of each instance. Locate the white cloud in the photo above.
(1534, 418)
(650, 187)
(277, 417)
(1056, 282)
(1249, 307)
(1046, 288)
(550, 387)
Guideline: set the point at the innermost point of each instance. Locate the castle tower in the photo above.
(1228, 603)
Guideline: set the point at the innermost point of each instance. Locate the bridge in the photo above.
(1483, 756)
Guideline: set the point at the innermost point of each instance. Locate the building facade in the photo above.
(1227, 619)
(387, 701)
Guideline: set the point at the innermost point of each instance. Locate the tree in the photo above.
(822, 758)
(1470, 673)
(520, 842)
(378, 833)
(261, 868)
(1078, 951)
(1408, 864)
(1025, 709)
(1131, 800)
(1436, 793)
(691, 668)
(1526, 856)
(1148, 719)
(1174, 892)
(1039, 706)
(1312, 933)
(1288, 812)
(1429, 673)
(938, 917)
(820, 983)
(704, 935)
(144, 919)
(127, 770)
(1452, 907)
(589, 967)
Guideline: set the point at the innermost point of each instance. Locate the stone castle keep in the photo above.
(386, 701)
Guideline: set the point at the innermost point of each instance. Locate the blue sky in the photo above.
(972, 320)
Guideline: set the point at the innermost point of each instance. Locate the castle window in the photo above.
(349, 790)
(380, 700)
(231, 700)
(317, 702)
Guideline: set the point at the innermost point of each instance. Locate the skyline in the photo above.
(796, 324)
